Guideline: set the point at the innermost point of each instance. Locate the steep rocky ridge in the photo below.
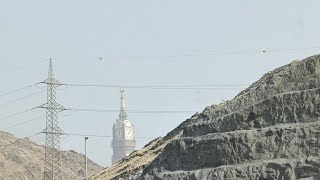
(268, 131)
(22, 159)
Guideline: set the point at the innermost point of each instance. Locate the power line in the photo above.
(156, 86)
(134, 111)
(24, 97)
(95, 110)
(24, 122)
(201, 86)
(262, 51)
(15, 114)
(17, 90)
(98, 136)
(131, 111)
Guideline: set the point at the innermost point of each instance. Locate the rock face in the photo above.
(271, 130)
(21, 159)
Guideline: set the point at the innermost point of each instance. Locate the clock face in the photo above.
(129, 133)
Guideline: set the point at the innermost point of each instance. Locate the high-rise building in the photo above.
(123, 142)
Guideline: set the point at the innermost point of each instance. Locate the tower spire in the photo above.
(123, 114)
(123, 142)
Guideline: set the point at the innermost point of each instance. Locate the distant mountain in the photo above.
(22, 159)
(270, 130)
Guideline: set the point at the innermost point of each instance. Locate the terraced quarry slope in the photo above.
(271, 130)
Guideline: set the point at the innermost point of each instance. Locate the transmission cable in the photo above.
(164, 87)
(24, 97)
(17, 90)
(92, 135)
(262, 51)
(24, 122)
(134, 111)
(15, 114)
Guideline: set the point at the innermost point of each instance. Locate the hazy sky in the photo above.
(167, 42)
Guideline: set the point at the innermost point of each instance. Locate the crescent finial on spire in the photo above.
(123, 114)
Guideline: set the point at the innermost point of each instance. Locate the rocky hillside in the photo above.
(271, 130)
(21, 159)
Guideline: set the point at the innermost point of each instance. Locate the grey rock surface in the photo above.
(268, 131)
(271, 130)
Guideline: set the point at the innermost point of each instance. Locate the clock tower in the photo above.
(123, 142)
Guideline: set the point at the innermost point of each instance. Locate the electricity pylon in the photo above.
(53, 162)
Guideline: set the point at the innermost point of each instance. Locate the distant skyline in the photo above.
(141, 43)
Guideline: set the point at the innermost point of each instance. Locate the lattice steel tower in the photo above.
(53, 163)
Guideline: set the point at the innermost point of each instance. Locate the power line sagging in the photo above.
(17, 90)
(164, 87)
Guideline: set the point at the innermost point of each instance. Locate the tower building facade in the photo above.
(123, 142)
